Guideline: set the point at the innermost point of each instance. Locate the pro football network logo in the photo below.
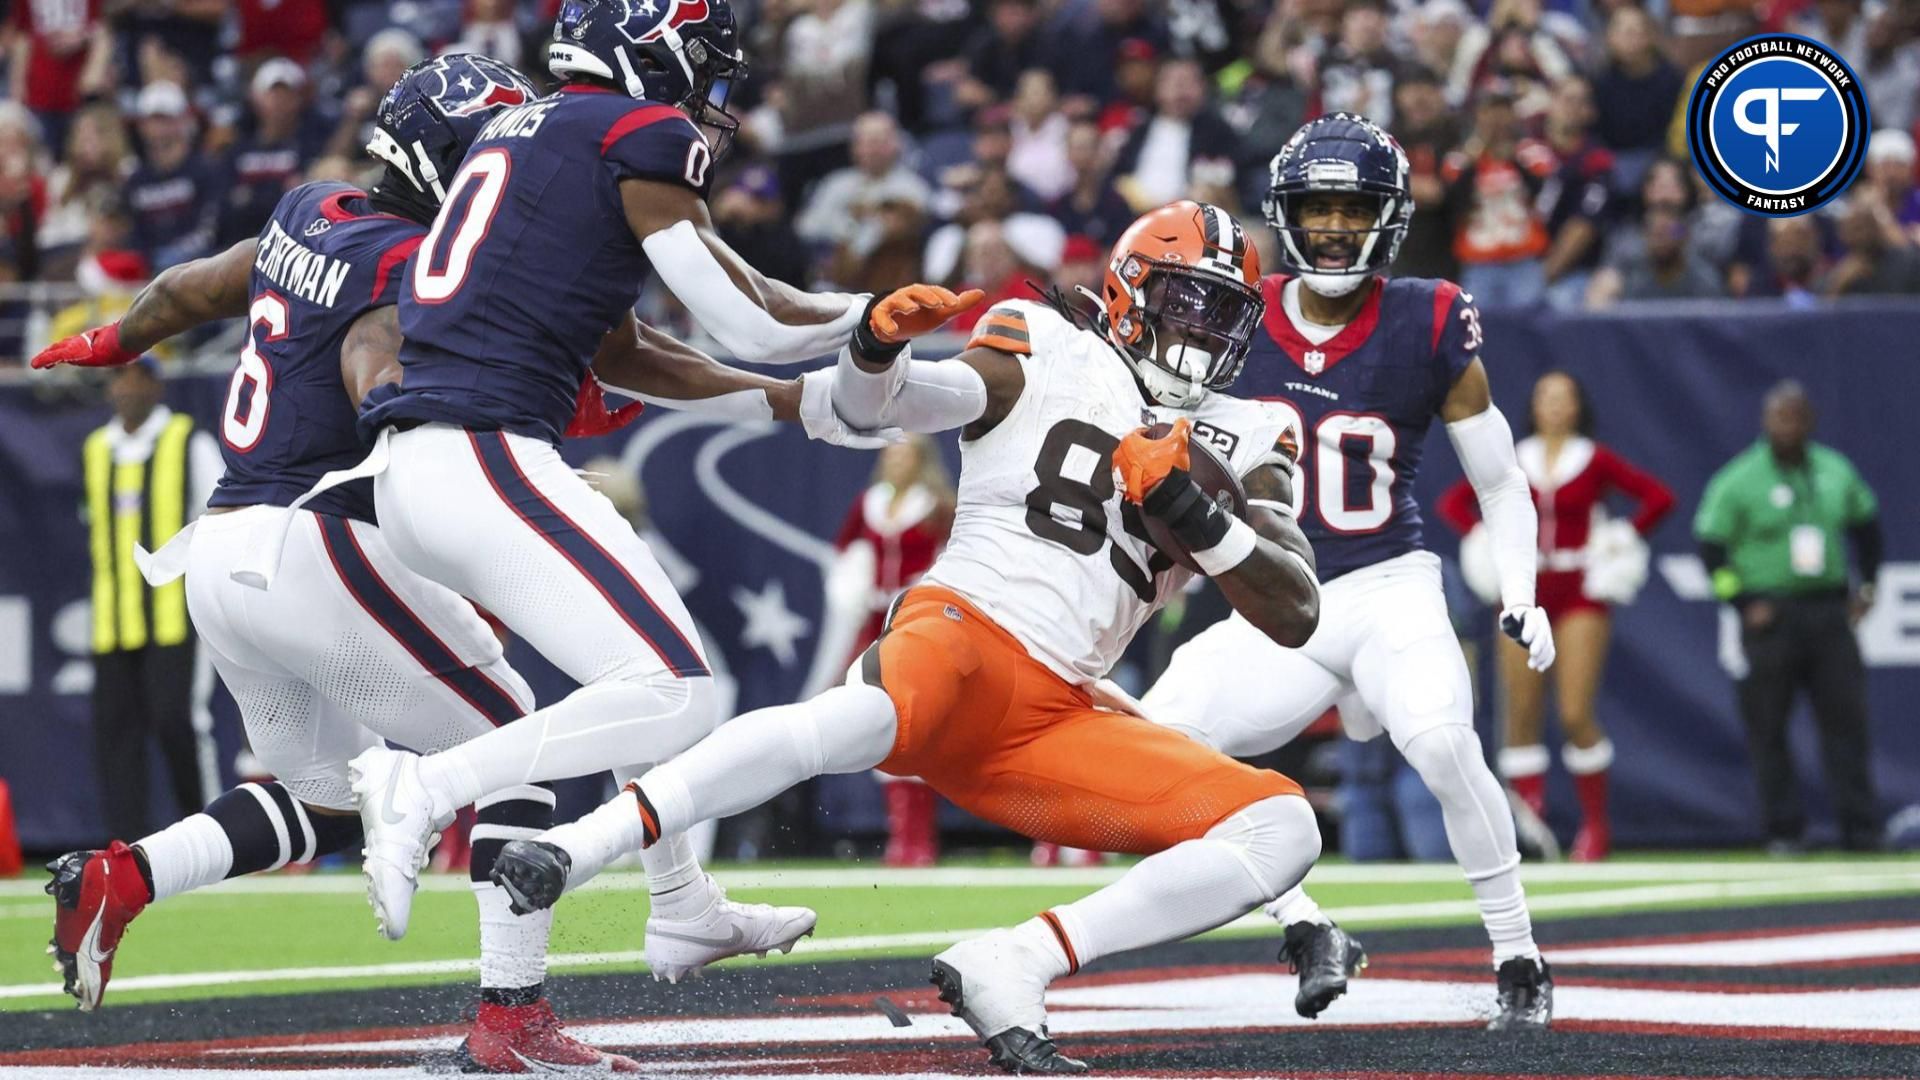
(1778, 124)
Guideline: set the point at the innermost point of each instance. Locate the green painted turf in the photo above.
(219, 932)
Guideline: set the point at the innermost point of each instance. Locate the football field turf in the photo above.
(291, 933)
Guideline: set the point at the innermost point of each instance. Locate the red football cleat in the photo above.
(529, 1039)
(96, 894)
(1593, 843)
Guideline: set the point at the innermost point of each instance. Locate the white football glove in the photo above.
(822, 422)
(1527, 624)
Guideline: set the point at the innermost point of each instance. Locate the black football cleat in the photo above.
(1325, 956)
(1015, 1050)
(1526, 996)
(533, 872)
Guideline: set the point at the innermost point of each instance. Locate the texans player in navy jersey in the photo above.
(349, 646)
(561, 211)
(1367, 362)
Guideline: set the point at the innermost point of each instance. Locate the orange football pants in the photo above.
(1006, 739)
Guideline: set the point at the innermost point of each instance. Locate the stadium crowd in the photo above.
(995, 142)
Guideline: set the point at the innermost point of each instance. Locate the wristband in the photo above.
(1231, 551)
(1187, 511)
(868, 347)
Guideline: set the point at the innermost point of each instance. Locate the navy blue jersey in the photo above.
(531, 260)
(325, 259)
(1366, 399)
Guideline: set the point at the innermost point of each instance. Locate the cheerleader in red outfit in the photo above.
(1588, 561)
(890, 537)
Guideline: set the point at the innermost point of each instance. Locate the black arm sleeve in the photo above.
(1867, 548)
(1714, 555)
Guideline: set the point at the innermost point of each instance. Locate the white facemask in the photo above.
(1176, 391)
(1332, 284)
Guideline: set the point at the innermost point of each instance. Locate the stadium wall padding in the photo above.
(745, 510)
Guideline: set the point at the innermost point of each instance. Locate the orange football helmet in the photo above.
(1182, 300)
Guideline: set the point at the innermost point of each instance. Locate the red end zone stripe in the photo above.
(646, 116)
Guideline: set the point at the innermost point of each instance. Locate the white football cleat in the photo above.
(678, 948)
(396, 816)
(998, 985)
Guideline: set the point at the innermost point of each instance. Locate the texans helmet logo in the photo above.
(470, 88)
(647, 18)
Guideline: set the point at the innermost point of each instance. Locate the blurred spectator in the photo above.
(1084, 41)
(1794, 262)
(96, 163)
(1578, 195)
(59, 55)
(1494, 182)
(1136, 70)
(847, 208)
(279, 136)
(387, 56)
(185, 33)
(296, 28)
(23, 191)
(1588, 562)
(1890, 169)
(1522, 52)
(1358, 73)
(1878, 260)
(1083, 265)
(1267, 107)
(1839, 24)
(1771, 527)
(920, 44)
(1185, 150)
(490, 29)
(1009, 44)
(171, 191)
(1092, 206)
(1428, 131)
(754, 222)
(1005, 259)
(1636, 91)
(822, 88)
(1439, 31)
(1662, 269)
(1890, 67)
(1038, 157)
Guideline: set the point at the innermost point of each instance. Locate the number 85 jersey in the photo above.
(1043, 542)
(1364, 400)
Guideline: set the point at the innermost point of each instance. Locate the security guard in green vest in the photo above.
(147, 472)
(1773, 528)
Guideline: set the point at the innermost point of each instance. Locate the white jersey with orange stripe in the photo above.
(1042, 541)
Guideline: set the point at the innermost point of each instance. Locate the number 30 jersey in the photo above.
(1364, 400)
(325, 258)
(531, 260)
(1042, 540)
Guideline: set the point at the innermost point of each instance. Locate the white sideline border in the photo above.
(1356, 916)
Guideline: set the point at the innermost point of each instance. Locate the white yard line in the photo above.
(1356, 915)
(863, 877)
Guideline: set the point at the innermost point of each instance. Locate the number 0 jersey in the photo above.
(1364, 400)
(325, 258)
(1042, 541)
(531, 260)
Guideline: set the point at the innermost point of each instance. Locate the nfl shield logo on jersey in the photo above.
(1315, 360)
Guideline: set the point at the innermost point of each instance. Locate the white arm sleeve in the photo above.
(741, 326)
(915, 395)
(1485, 445)
(735, 405)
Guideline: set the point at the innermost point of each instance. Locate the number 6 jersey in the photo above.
(1042, 541)
(325, 258)
(1364, 399)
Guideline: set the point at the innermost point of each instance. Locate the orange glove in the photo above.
(592, 417)
(916, 309)
(1141, 463)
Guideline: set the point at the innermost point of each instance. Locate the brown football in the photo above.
(1210, 471)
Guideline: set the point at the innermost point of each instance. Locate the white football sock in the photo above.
(189, 854)
(513, 948)
(1480, 831)
(1295, 906)
(1245, 860)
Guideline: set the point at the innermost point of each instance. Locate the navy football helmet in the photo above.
(684, 53)
(428, 119)
(1339, 152)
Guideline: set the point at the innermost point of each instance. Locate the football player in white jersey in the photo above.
(1367, 363)
(987, 678)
